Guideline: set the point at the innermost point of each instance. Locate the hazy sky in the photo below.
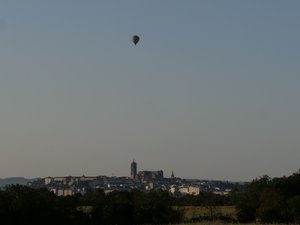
(212, 91)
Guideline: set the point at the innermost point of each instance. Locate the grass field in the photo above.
(192, 212)
(222, 223)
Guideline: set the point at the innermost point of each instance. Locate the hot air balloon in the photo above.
(135, 39)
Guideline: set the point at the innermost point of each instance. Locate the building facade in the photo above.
(150, 175)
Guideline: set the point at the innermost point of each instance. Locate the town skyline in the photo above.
(143, 180)
(133, 173)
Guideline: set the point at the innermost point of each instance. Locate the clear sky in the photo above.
(211, 91)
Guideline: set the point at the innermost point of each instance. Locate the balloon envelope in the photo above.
(135, 39)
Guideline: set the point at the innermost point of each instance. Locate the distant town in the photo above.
(138, 180)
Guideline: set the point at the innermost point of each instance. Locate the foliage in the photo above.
(24, 205)
(204, 199)
(264, 199)
(270, 200)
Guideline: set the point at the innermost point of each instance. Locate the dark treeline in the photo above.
(270, 200)
(262, 200)
(24, 205)
(205, 199)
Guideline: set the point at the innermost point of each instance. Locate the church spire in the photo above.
(172, 176)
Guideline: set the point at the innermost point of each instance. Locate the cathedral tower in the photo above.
(133, 170)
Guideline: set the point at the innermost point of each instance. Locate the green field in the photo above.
(191, 213)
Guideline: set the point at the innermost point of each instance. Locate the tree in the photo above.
(270, 207)
(294, 206)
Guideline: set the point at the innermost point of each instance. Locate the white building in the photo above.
(194, 190)
(191, 190)
(48, 180)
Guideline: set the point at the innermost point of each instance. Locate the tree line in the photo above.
(270, 200)
(263, 200)
(24, 205)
